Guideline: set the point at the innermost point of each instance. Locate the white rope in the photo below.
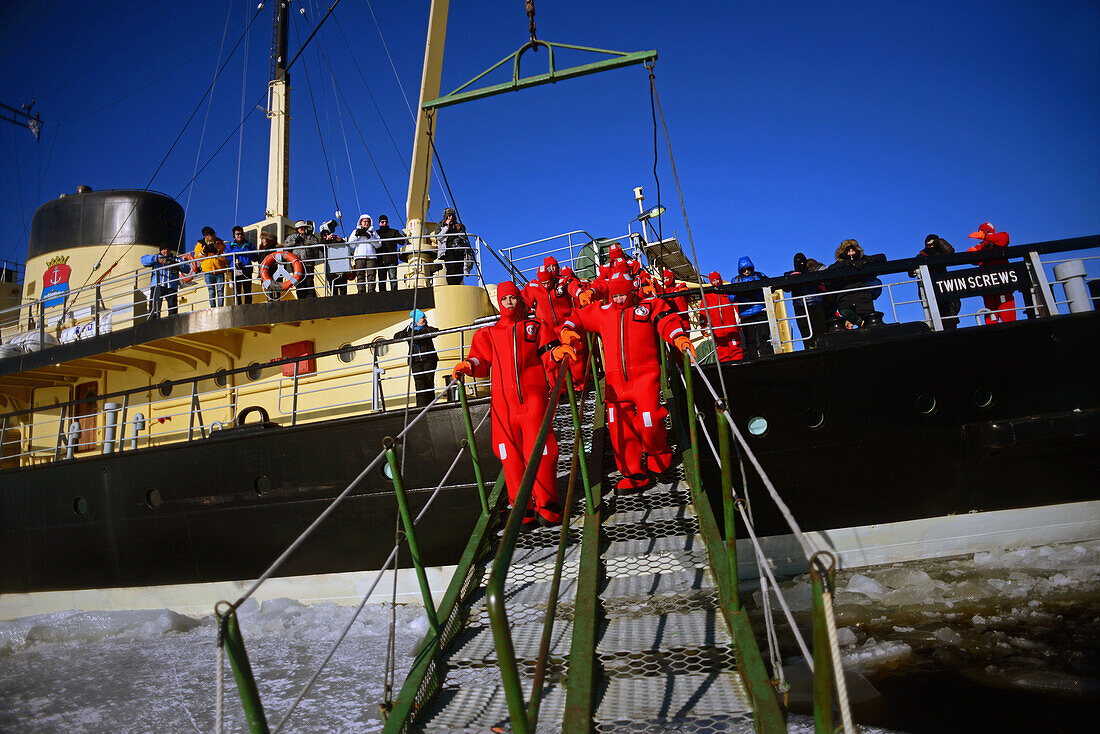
(219, 696)
(838, 669)
(378, 577)
(769, 621)
(779, 596)
(332, 506)
(796, 530)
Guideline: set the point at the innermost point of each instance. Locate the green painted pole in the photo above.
(472, 444)
(693, 426)
(410, 536)
(729, 513)
(242, 672)
(823, 668)
(575, 409)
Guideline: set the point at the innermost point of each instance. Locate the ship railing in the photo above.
(730, 451)
(905, 286)
(120, 301)
(194, 408)
(567, 248)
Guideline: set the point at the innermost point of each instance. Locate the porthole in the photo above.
(152, 498)
(926, 404)
(758, 425)
(386, 471)
(346, 354)
(262, 485)
(983, 397)
(254, 371)
(165, 388)
(814, 418)
(80, 506)
(221, 378)
(380, 349)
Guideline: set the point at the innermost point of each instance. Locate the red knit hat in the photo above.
(715, 277)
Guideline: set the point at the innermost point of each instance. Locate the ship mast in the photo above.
(416, 205)
(278, 111)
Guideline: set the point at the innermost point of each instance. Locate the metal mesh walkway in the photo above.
(663, 659)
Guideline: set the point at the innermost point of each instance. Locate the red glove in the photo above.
(683, 343)
(560, 353)
(584, 298)
(570, 338)
(462, 368)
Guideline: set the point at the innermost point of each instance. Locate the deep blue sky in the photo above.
(794, 125)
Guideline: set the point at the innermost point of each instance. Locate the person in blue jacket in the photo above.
(241, 253)
(755, 333)
(164, 281)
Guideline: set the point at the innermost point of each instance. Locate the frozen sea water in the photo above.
(1024, 620)
(144, 671)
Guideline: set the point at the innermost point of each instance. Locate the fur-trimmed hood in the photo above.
(844, 247)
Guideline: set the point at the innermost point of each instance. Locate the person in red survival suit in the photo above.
(1002, 306)
(669, 285)
(577, 289)
(635, 419)
(547, 297)
(518, 352)
(717, 311)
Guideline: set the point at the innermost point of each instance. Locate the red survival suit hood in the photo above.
(508, 288)
(620, 283)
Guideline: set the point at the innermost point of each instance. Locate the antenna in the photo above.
(23, 118)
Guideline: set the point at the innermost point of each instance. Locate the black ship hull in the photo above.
(224, 508)
(906, 424)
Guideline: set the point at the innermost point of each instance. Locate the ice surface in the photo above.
(155, 670)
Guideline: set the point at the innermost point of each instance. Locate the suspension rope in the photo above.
(219, 696)
(838, 669)
(683, 209)
(656, 178)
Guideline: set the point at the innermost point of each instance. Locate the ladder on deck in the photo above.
(639, 640)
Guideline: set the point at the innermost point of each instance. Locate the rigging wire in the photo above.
(374, 164)
(355, 62)
(347, 148)
(139, 90)
(210, 100)
(117, 48)
(240, 142)
(38, 194)
(401, 87)
(317, 121)
(171, 148)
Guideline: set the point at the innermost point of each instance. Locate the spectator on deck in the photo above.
(809, 303)
(365, 242)
(1001, 306)
(720, 315)
(164, 282)
(857, 307)
(210, 251)
(949, 306)
(391, 242)
(422, 356)
(306, 245)
(241, 258)
(750, 308)
(337, 259)
(453, 248)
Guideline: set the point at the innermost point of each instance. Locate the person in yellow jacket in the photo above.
(210, 254)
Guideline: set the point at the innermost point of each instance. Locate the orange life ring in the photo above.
(187, 277)
(277, 259)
